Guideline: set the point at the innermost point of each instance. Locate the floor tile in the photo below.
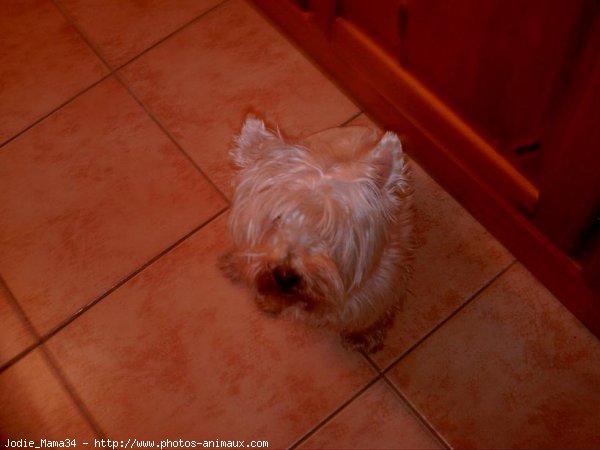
(378, 418)
(455, 257)
(204, 80)
(513, 369)
(43, 63)
(87, 197)
(187, 354)
(14, 335)
(123, 29)
(34, 405)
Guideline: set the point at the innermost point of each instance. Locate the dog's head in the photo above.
(310, 220)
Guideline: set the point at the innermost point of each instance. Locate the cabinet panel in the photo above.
(455, 136)
(498, 63)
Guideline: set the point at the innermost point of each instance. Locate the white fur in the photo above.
(338, 214)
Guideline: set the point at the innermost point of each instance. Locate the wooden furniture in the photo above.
(498, 99)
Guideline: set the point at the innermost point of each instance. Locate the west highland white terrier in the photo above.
(322, 228)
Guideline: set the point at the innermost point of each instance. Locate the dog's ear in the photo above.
(250, 141)
(387, 163)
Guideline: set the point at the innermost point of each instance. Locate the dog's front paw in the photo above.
(269, 305)
(369, 341)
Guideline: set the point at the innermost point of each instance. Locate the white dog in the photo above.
(322, 228)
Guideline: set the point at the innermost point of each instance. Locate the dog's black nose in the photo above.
(286, 278)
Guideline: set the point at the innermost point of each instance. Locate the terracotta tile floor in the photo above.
(115, 119)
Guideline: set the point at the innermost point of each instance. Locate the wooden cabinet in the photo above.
(498, 99)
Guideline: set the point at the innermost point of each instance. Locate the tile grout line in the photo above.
(384, 372)
(343, 405)
(413, 409)
(371, 362)
(19, 356)
(171, 34)
(353, 397)
(130, 276)
(42, 339)
(57, 372)
(79, 403)
(111, 71)
(347, 121)
(24, 319)
(171, 138)
(415, 412)
(115, 73)
(334, 413)
(467, 302)
(54, 110)
(90, 42)
(100, 57)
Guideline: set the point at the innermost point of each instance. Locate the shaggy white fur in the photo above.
(322, 227)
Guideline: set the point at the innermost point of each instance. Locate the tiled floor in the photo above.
(115, 119)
